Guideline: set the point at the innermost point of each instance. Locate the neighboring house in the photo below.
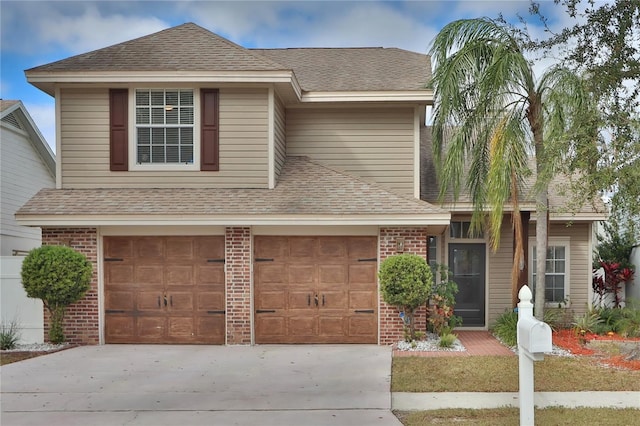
(27, 165)
(240, 196)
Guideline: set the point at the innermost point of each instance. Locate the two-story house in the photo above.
(239, 196)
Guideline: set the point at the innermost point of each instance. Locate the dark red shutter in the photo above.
(209, 149)
(118, 129)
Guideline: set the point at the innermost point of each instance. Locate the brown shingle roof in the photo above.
(187, 47)
(558, 198)
(305, 188)
(355, 69)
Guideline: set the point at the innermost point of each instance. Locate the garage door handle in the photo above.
(364, 311)
(265, 311)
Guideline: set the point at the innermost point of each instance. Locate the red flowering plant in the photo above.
(610, 282)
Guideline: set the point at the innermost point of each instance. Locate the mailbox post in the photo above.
(534, 339)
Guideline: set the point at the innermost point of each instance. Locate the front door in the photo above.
(467, 262)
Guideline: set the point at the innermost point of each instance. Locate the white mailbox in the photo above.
(534, 335)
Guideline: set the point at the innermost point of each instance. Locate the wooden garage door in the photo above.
(315, 289)
(164, 289)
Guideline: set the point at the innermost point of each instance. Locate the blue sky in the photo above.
(34, 33)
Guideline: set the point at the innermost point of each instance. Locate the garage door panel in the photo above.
(151, 328)
(271, 273)
(333, 300)
(211, 328)
(302, 325)
(180, 301)
(149, 301)
(332, 247)
(120, 300)
(150, 249)
(362, 275)
(302, 247)
(272, 247)
(168, 287)
(332, 274)
(362, 300)
(301, 275)
(119, 273)
(331, 326)
(119, 328)
(272, 300)
(149, 274)
(362, 248)
(179, 275)
(179, 248)
(181, 328)
(300, 299)
(209, 275)
(362, 325)
(118, 248)
(210, 301)
(270, 327)
(209, 247)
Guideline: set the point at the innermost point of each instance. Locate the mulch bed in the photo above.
(578, 345)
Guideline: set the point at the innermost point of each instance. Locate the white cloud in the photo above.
(75, 27)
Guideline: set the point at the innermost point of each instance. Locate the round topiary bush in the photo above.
(405, 282)
(59, 276)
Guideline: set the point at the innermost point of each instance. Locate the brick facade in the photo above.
(415, 241)
(238, 275)
(81, 326)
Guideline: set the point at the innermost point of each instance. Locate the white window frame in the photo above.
(133, 142)
(554, 241)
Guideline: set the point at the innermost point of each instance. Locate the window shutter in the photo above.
(118, 129)
(209, 149)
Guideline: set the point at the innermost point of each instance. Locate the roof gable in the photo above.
(185, 47)
(13, 113)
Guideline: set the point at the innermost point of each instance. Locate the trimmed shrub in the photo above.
(59, 276)
(405, 282)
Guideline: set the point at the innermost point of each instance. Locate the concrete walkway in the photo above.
(201, 385)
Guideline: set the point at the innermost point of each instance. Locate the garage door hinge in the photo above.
(263, 259)
(368, 259)
(215, 260)
(113, 259)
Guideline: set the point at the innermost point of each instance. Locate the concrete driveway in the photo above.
(201, 385)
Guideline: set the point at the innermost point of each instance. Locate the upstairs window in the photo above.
(164, 126)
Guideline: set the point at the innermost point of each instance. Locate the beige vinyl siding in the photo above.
(499, 273)
(579, 267)
(374, 143)
(279, 133)
(85, 144)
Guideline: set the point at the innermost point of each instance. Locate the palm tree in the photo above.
(491, 115)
